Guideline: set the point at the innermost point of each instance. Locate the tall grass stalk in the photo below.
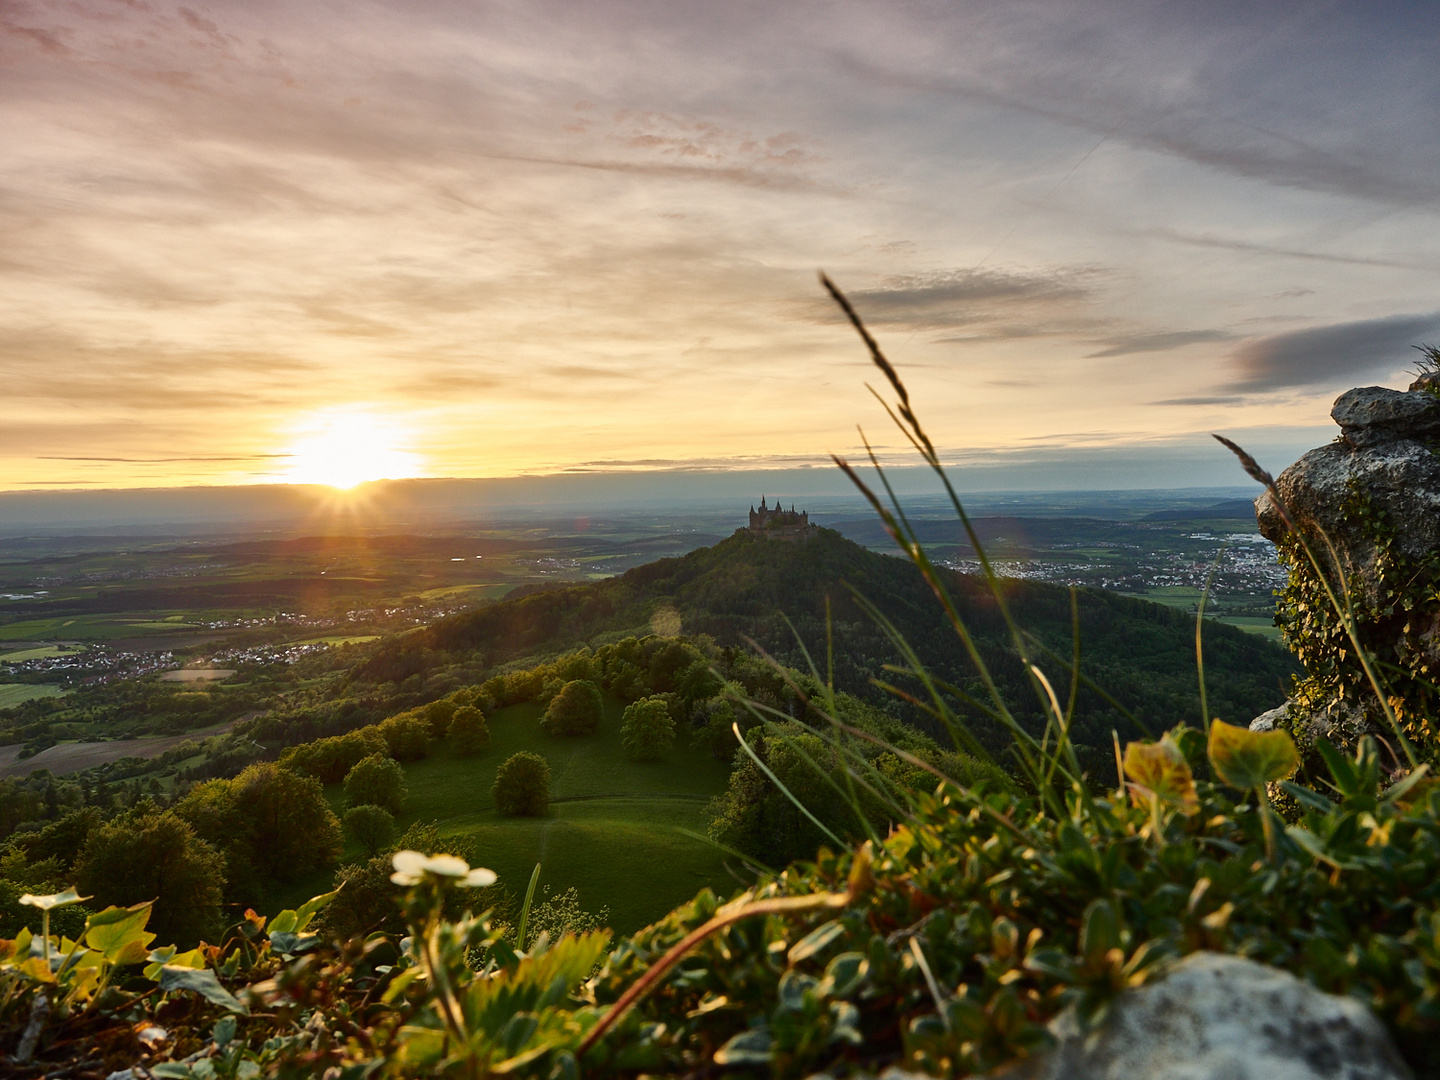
(1038, 764)
(525, 909)
(1199, 647)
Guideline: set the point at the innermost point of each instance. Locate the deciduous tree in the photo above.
(647, 731)
(376, 781)
(522, 785)
(575, 710)
(155, 855)
(469, 734)
(373, 827)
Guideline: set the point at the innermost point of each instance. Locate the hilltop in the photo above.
(1140, 654)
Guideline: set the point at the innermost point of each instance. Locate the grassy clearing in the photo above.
(492, 591)
(336, 639)
(81, 628)
(618, 843)
(1254, 624)
(36, 654)
(12, 694)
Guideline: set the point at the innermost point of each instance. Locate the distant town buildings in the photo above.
(773, 523)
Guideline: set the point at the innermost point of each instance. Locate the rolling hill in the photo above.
(1140, 654)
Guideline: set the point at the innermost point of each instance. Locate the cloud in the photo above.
(1329, 354)
(1275, 94)
(954, 298)
(1159, 341)
(1231, 244)
(1216, 400)
(161, 460)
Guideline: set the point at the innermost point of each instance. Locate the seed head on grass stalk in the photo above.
(1035, 759)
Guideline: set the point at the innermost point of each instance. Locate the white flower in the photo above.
(411, 868)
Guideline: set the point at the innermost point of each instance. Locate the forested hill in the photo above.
(1141, 653)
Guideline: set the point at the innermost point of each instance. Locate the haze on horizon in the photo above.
(519, 238)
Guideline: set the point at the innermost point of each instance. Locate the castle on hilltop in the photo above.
(773, 523)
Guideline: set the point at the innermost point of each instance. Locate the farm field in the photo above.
(1188, 599)
(614, 827)
(72, 757)
(1254, 624)
(15, 693)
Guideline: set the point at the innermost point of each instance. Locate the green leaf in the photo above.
(748, 1048)
(844, 974)
(284, 923)
(1189, 741)
(1052, 962)
(289, 944)
(1314, 800)
(119, 933)
(223, 1031)
(816, 940)
(1347, 780)
(1398, 791)
(200, 982)
(54, 900)
(1099, 931)
(308, 910)
(1251, 759)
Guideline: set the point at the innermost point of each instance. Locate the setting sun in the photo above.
(344, 448)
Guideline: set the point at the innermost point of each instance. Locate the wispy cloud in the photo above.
(1157, 341)
(960, 297)
(1329, 355)
(1218, 399)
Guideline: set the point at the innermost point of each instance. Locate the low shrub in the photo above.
(522, 785)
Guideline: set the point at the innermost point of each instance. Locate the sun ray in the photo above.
(343, 447)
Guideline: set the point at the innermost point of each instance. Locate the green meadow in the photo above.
(614, 830)
(87, 628)
(41, 653)
(16, 693)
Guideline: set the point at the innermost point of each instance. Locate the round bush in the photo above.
(438, 715)
(373, 827)
(469, 734)
(376, 781)
(575, 710)
(522, 786)
(647, 732)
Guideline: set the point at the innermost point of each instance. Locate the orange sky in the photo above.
(500, 238)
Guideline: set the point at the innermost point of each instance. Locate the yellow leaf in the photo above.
(37, 969)
(1160, 769)
(1251, 759)
(120, 932)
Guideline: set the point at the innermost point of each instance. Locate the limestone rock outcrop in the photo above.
(1218, 1017)
(1385, 453)
(1369, 506)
